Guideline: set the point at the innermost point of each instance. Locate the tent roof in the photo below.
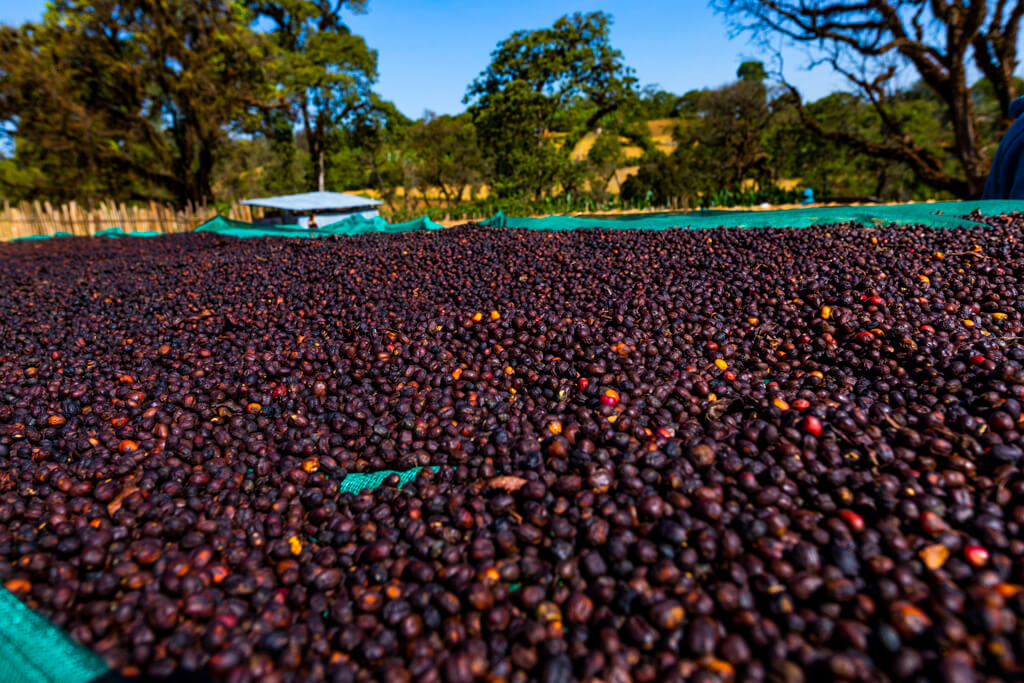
(313, 201)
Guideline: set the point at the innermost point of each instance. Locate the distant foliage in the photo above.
(213, 101)
(873, 44)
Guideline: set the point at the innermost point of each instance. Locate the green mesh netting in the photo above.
(31, 238)
(119, 232)
(933, 214)
(358, 482)
(109, 232)
(354, 225)
(32, 650)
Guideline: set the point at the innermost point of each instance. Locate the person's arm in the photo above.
(1006, 177)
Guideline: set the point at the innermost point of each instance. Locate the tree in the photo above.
(378, 135)
(138, 95)
(60, 148)
(604, 157)
(870, 42)
(661, 180)
(721, 145)
(835, 170)
(447, 155)
(258, 166)
(532, 77)
(655, 103)
(326, 72)
(752, 71)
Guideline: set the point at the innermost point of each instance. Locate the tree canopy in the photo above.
(871, 43)
(215, 100)
(326, 72)
(448, 156)
(128, 98)
(532, 77)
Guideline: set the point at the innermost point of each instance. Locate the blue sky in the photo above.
(430, 50)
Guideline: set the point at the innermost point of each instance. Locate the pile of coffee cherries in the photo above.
(711, 455)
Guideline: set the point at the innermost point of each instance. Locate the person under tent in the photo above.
(1006, 178)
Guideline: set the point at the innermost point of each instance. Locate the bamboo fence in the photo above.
(41, 218)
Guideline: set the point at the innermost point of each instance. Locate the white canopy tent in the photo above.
(329, 207)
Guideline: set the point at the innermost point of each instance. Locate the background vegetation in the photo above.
(210, 101)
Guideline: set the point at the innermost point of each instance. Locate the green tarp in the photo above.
(933, 214)
(109, 232)
(118, 232)
(32, 650)
(356, 225)
(357, 482)
(31, 238)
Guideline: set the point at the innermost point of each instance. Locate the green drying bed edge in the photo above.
(32, 650)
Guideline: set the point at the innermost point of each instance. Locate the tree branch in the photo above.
(928, 166)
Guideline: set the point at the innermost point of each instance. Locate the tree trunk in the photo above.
(316, 149)
(965, 132)
(380, 183)
(883, 180)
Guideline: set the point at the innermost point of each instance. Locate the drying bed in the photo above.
(651, 455)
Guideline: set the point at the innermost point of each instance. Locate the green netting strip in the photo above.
(119, 232)
(347, 227)
(109, 232)
(32, 650)
(932, 214)
(357, 482)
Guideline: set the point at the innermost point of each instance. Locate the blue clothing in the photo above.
(1006, 179)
